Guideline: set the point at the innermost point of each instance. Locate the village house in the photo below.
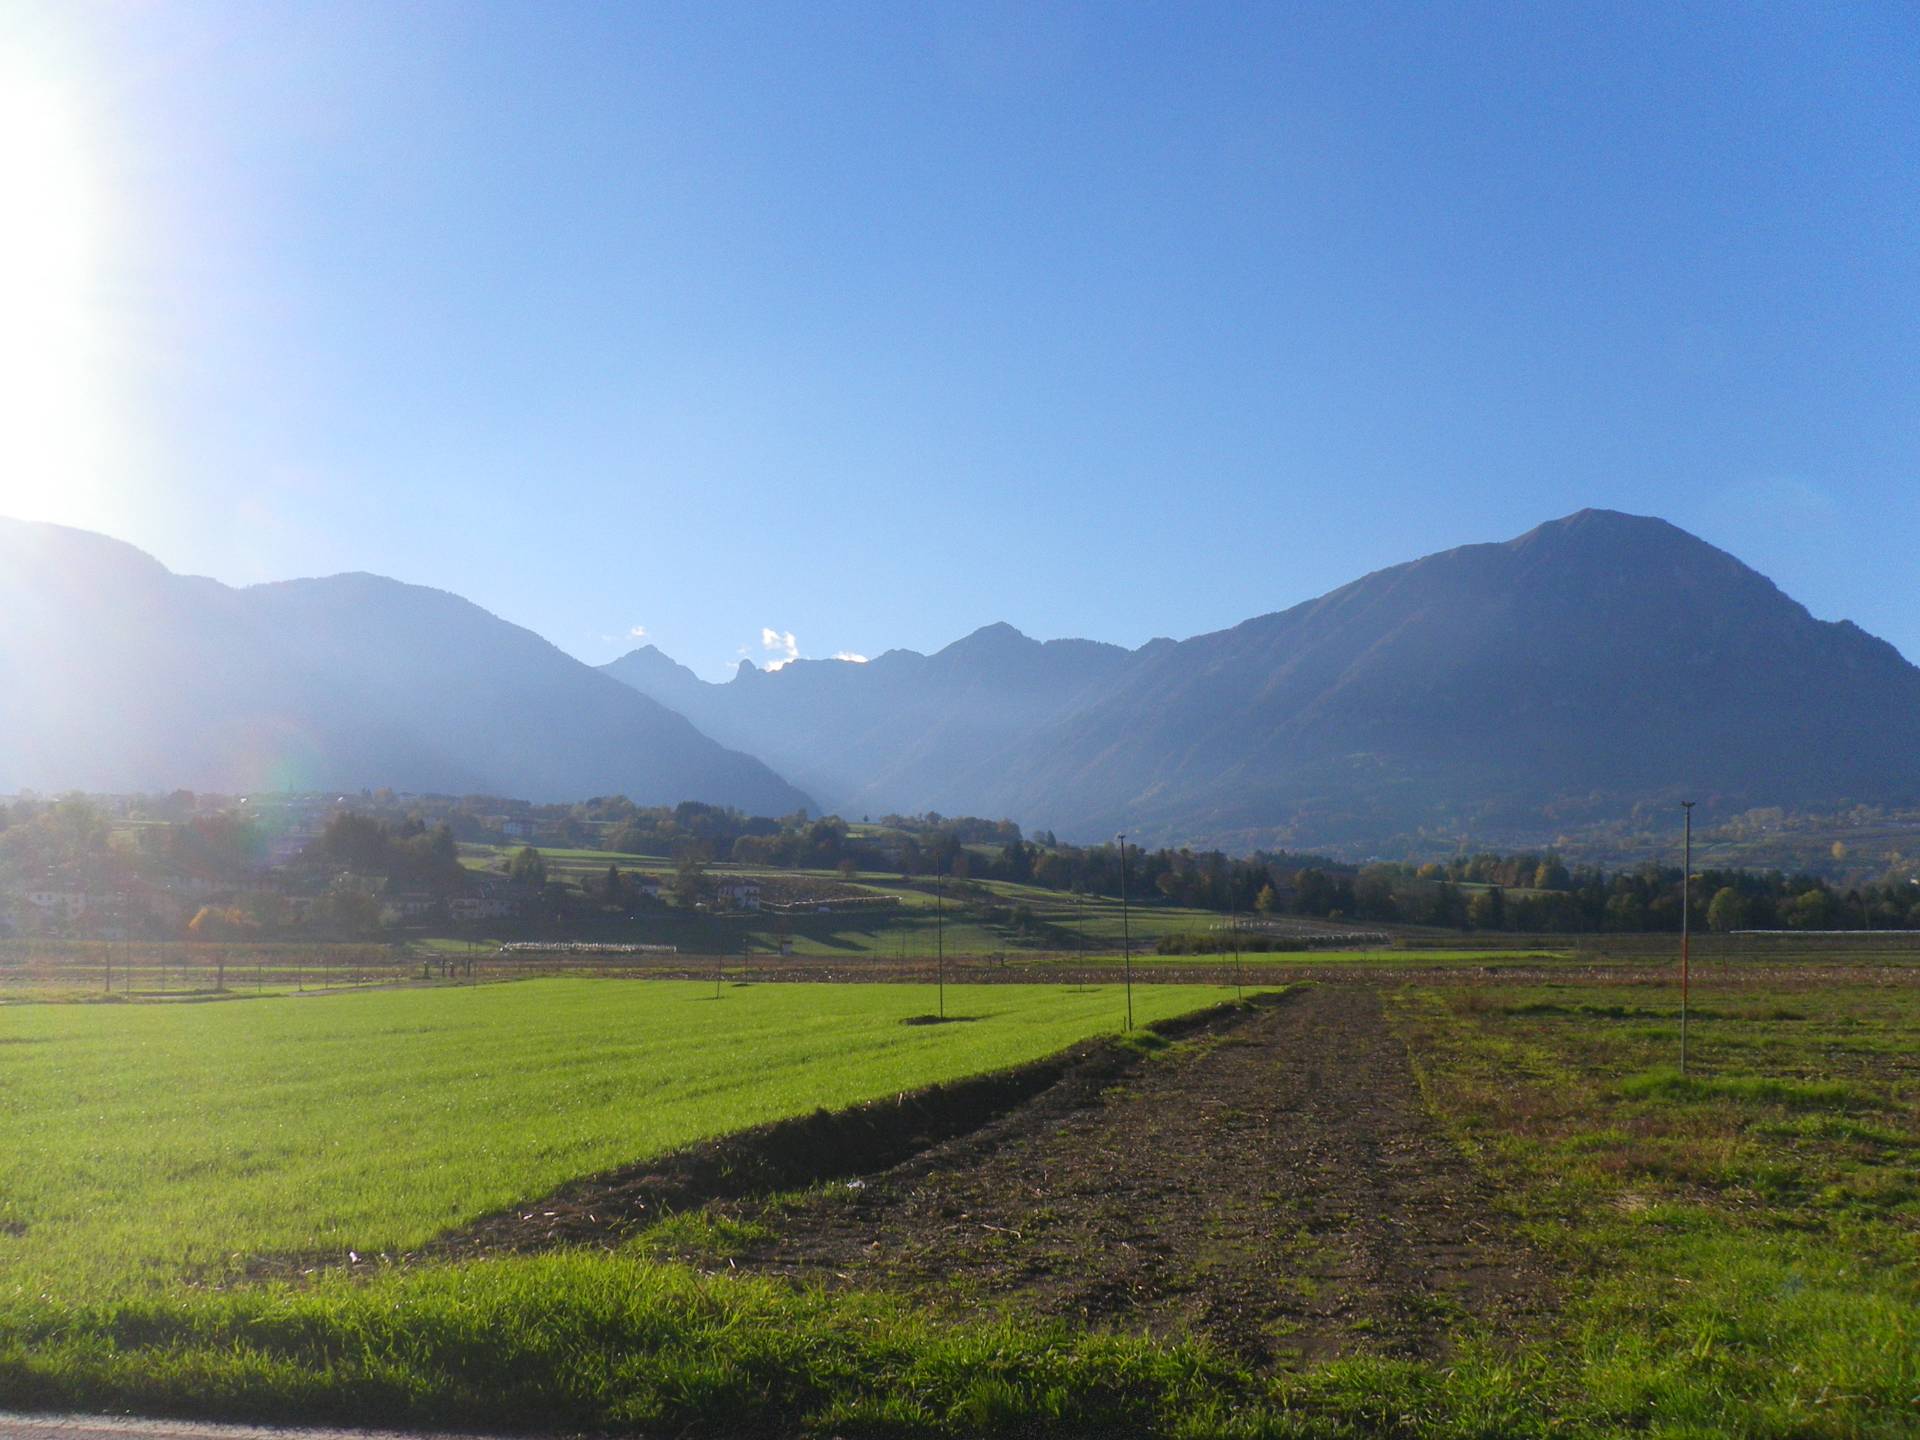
(739, 894)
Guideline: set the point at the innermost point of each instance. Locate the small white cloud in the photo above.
(779, 644)
(850, 657)
(638, 632)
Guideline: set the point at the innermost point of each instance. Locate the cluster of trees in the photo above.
(668, 832)
(37, 839)
(217, 844)
(960, 847)
(1546, 896)
(805, 845)
(967, 829)
(407, 852)
(1208, 880)
(1528, 892)
(72, 844)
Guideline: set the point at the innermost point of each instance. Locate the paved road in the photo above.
(107, 1427)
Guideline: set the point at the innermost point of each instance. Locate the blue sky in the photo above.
(877, 323)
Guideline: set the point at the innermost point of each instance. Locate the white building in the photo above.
(739, 894)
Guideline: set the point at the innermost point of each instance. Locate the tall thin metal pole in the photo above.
(1233, 930)
(940, 941)
(1126, 930)
(1080, 938)
(1686, 931)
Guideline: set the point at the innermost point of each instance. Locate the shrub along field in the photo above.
(1735, 1251)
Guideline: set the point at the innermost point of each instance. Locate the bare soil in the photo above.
(1276, 1186)
(1268, 1178)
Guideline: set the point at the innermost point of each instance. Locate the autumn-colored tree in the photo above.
(220, 922)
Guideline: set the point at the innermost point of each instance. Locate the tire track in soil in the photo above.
(1278, 1187)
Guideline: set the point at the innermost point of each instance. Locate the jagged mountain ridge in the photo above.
(902, 732)
(118, 675)
(1596, 664)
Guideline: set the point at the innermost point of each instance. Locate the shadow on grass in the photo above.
(941, 1019)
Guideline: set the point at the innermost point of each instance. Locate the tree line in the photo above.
(1525, 891)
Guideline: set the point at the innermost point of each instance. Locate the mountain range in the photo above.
(1590, 669)
(1595, 665)
(117, 676)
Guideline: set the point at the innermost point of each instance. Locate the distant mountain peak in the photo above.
(997, 636)
(648, 654)
(1593, 516)
(649, 660)
(1595, 526)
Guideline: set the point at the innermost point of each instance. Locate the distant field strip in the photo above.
(143, 1144)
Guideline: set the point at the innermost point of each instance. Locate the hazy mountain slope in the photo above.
(120, 676)
(903, 732)
(1598, 663)
(1595, 663)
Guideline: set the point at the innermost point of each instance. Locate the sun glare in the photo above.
(52, 346)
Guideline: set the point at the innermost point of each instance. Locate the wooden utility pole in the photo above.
(1233, 926)
(1080, 937)
(1686, 930)
(1126, 929)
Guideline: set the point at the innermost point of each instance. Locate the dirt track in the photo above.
(1273, 1182)
(1277, 1187)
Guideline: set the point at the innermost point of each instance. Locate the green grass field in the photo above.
(144, 1145)
(1741, 1243)
(1735, 1251)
